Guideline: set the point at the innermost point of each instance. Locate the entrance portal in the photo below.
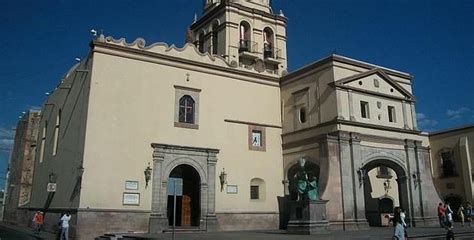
(187, 205)
(385, 187)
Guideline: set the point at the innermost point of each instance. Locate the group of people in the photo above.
(63, 224)
(446, 214)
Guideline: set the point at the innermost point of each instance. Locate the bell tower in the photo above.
(245, 32)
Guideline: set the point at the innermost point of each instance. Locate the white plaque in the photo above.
(131, 185)
(232, 189)
(51, 187)
(131, 199)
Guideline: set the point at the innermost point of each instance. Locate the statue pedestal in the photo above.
(308, 217)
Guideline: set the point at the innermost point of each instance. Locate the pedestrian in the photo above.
(399, 230)
(65, 226)
(461, 214)
(450, 232)
(449, 213)
(38, 221)
(441, 214)
(468, 213)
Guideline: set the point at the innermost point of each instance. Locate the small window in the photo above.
(56, 133)
(257, 189)
(364, 109)
(391, 114)
(215, 38)
(201, 42)
(256, 139)
(383, 172)
(254, 192)
(302, 114)
(447, 161)
(186, 109)
(43, 142)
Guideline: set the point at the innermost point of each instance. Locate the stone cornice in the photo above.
(252, 123)
(162, 52)
(341, 83)
(341, 59)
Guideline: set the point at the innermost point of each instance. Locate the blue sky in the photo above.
(431, 39)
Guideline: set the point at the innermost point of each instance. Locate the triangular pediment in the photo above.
(375, 81)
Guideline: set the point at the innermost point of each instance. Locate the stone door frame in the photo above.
(167, 157)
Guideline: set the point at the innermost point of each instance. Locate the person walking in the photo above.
(468, 213)
(449, 213)
(450, 232)
(399, 230)
(461, 214)
(65, 226)
(441, 214)
(38, 221)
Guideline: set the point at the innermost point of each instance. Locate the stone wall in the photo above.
(247, 221)
(94, 223)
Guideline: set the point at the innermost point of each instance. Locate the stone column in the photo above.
(359, 200)
(211, 219)
(413, 116)
(414, 211)
(345, 160)
(351, 107)
(404, 110)
(158, 219)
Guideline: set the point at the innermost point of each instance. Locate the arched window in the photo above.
(257, 189)
(268, 45)
(201, 42)
(186, 109)
(215, 38)
(244, 36)
(43, 141)
(56, 133)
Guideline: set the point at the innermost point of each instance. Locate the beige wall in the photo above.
(377, 186)
(460, 142)
(132, 105)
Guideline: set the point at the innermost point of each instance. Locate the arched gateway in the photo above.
(196, 167)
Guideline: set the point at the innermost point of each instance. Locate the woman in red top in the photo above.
(441, 214)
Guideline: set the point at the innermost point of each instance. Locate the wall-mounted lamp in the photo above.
(416, 178)
(387, 186)
(223, 179)
(147, 173)
(52, 177)
(361, 172)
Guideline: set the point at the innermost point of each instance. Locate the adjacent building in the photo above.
(452, 156)
(21, 167)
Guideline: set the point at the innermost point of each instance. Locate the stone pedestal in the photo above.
(308, 217)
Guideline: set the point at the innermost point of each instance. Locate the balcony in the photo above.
(248, 49)
(271, 55)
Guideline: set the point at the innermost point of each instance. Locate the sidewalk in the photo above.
(375, 233)
(27, 231)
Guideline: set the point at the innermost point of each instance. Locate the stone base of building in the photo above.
(308, 217)
(243, 221)
(94, 223)
(349, 225)
(425, 221)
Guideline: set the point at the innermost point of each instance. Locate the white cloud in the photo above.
(457, 113)
(6, 139)
(424, 122)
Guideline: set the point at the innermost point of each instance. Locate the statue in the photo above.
(307, 185)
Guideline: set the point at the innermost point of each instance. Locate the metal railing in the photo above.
(247, 46)
(270, 52)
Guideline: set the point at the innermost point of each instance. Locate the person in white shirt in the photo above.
(65, 226)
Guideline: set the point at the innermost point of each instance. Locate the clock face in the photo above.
(256, 139)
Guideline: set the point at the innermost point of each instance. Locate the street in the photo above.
(9, 234)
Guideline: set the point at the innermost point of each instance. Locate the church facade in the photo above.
(222, 116)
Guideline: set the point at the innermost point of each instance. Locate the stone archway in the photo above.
(203, 161)
(371, 204)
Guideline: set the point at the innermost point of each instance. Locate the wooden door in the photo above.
(186, 211)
